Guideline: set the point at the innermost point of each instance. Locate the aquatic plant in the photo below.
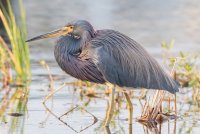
(14, 67)
(4, 65)
(187, 70)
(13, 105)
(156, 110)
(17, 57)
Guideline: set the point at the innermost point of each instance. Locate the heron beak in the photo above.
(56, 33)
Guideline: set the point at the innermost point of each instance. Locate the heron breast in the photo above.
(80, 68)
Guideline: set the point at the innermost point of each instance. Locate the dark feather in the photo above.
(108, 55)
(124, 62)
(67, 53)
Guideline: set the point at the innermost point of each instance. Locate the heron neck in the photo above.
(72, 45)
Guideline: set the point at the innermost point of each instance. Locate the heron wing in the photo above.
(124, 62)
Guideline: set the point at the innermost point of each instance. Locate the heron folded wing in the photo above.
(124, 62)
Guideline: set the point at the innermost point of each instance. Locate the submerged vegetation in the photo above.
(14, 67)
(15, 73)
(160, 107)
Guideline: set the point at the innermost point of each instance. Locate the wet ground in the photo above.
(148, 22)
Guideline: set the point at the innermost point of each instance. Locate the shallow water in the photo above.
(148, 22)
(38, 120)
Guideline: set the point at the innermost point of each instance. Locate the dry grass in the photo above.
(151, 110)
(152, 113)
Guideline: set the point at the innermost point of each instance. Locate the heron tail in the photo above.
(173, 87)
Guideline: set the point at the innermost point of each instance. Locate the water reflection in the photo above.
(13, 109)
(79, 119)
(77, 108)
(153, 128)
(148, 22)
(66, 115)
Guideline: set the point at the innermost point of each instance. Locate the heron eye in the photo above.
(71, 27)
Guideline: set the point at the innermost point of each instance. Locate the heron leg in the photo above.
(130, 107)
(111, 107)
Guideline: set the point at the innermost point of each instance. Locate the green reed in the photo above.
(18, 55)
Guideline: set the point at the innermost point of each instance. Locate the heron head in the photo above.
(75, 29)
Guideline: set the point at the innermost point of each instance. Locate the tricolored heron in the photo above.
(107, 56)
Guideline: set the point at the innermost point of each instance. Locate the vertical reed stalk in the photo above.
(19, 53)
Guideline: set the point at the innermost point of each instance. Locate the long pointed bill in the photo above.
(47, 35)
(57, 33)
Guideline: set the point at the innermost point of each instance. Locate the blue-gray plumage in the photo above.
(107, 56)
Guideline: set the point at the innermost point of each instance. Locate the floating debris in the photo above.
(17, 85)
(15, 114)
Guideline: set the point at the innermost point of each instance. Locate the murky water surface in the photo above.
(149, 22)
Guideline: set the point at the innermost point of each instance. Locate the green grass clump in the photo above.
(187, 71)
(18, 56)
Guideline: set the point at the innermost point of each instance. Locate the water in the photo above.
(148, 22)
